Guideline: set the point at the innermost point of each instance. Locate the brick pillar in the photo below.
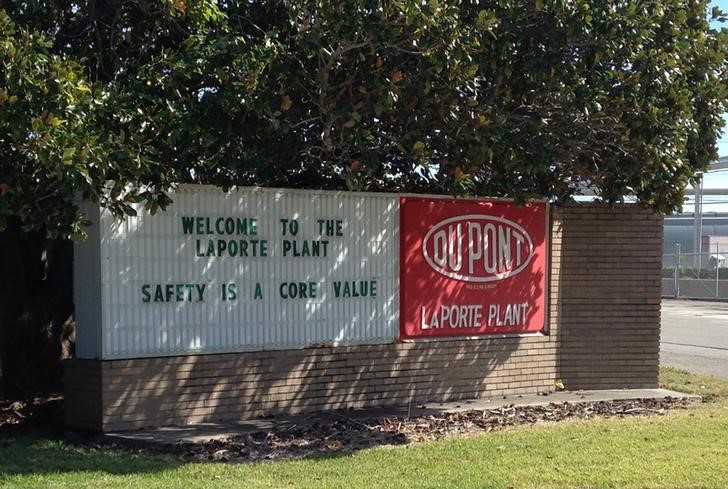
(608, 300)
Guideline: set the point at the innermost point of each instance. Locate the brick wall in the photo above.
(82, 394)
(603, 333)
(609, 296)
(189, 389)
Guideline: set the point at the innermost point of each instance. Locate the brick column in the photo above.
(608, 300)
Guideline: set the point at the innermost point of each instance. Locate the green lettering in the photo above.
(247, 226)
(229, 291)
(168, 292)
(158, 294)
(258, 292)
(146, 296)
(297, 290)
(220, 225)
(330, 227)
(200, 291)
(355, 288)
(179, 292)
(241, 226)
(230, 225)
(188, 224)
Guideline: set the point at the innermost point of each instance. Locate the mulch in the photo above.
(34, 415)
(346, 435)
(337, 433)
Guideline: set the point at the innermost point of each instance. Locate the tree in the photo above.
(120, 100)
(52, 145)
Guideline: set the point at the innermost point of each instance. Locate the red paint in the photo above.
(471, 267)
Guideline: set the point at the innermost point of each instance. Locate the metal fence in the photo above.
(695, 275)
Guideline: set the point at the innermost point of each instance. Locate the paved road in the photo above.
(695, 336)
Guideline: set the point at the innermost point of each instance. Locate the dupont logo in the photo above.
(477, 248)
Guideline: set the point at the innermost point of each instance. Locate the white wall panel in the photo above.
(154, 250)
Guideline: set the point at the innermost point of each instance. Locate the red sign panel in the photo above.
(471, 267)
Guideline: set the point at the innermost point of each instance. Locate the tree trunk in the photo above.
(36, 311)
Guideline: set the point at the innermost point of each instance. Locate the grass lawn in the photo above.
(682, 449)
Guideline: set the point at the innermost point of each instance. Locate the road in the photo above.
(694, 336)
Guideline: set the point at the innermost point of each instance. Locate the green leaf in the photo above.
(68, 155)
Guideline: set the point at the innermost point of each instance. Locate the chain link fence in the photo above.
(695, 275)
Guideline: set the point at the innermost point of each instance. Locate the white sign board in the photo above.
(251, 269)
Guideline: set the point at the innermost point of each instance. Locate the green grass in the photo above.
(683, 449)
(711, 388)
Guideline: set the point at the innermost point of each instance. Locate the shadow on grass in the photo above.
(28, 454)
(31, 443)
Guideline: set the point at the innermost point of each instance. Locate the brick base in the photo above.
(189, 389)
(603, 333)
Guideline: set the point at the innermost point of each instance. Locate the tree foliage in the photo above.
(121, 99)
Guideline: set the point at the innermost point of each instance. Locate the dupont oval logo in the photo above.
(477, 248)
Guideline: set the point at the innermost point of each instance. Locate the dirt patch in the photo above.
(36, 415)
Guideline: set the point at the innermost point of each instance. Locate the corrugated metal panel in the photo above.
(155, 251)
